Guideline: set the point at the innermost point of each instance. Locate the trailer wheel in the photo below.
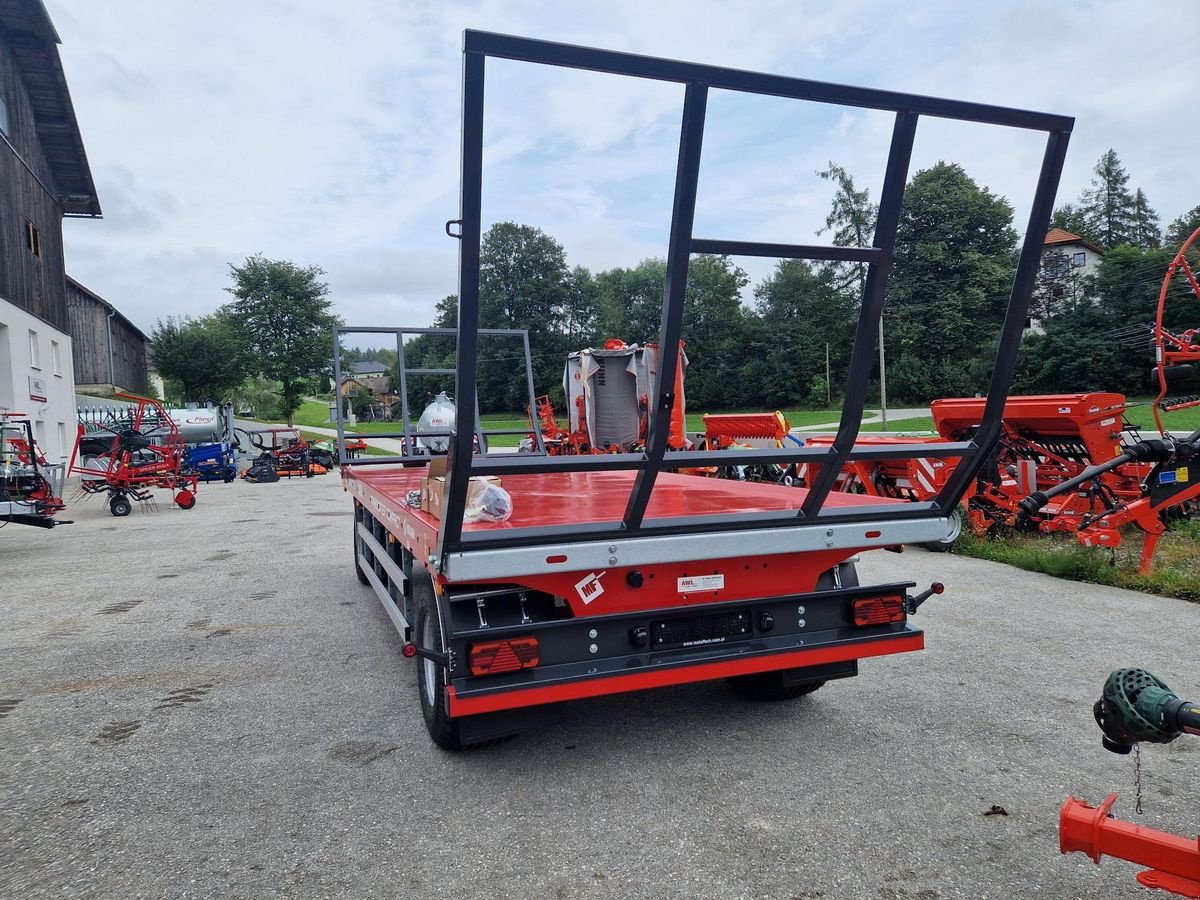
(431, 683)
(770, 686)
(119, 505)
(947, 544)
(185, 499)
(358, 569)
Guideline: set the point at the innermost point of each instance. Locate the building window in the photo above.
(1079, 259)
(4, 117)
(33, 239)
(35, 361)
(56, 358)
(62, 439)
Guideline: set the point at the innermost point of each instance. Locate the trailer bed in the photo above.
(580, 498)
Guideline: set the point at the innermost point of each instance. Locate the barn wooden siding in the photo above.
(28, 192)
(88, 314)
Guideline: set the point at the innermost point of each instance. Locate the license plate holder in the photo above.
(701, 630)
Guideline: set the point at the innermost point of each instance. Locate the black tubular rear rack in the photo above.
(825, 462)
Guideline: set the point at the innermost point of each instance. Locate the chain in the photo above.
(1137, 775)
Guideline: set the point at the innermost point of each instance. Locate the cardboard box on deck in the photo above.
(433, 488)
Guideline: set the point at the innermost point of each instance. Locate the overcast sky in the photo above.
(328, 134)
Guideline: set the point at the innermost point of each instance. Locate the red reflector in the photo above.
(508, 655)
(878, 610)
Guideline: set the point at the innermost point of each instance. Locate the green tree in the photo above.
(851, 218)
(282, 312)
(800, 310)
(630, 301)
(204, 356)
(953, 270)
(714, 330)
(1108, 204)
(1070, 217)
(1183, 227)
(523, 283)
(1146, 231)
(1090, 345)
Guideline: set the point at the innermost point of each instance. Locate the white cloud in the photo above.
(330, 135)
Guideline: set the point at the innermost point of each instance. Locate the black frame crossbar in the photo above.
(826, 462)
(408, 434)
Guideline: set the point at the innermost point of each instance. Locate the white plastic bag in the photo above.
(487, 502)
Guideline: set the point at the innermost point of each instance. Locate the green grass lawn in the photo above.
(1175, 573)
(1143, 416)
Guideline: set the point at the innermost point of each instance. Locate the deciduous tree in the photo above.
(954, 263)
(205, 355)
(282, 314)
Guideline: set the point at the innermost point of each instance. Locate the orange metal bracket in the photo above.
(1174, 861)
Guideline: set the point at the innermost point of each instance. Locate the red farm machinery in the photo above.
(602, 568)
(31, 488)
(146, 453)
(1063, 463)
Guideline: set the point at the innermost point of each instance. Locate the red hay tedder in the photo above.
(147, 453)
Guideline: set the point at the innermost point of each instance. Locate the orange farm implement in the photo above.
(1093, 472)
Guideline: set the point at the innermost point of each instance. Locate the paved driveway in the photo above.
(208, 704)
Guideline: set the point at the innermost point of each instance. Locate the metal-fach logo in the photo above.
(590, 587)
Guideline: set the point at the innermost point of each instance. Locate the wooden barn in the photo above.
(44, 176)
(44, 172)
(109, 351)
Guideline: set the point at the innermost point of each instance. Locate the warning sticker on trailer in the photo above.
(690, 583)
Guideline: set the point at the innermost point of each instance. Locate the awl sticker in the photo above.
(691, 583)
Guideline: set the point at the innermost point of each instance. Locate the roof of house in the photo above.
(369, 367)
(1057, 237)
(92, 295)
(27, 31)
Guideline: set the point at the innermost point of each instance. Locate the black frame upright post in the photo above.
(670, 331)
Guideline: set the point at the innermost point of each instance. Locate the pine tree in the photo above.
(1108, 205)
(1147, 233)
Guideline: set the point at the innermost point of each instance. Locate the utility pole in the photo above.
(882, 377)
(828, 385)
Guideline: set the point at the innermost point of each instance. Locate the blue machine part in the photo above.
(213, 462)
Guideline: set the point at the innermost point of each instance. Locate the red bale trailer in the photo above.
(520, 580)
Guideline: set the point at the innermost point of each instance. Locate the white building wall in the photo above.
(30, 348)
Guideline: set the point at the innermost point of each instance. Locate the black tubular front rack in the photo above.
(825, 462)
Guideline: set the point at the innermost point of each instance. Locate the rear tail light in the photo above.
(507, 655)
(878, 610)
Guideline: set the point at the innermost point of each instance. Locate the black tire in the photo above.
(119, 505)
(431, 682)
(947, 545)
(769, 686)
(358, 569)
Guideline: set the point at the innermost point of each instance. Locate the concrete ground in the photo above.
(208, 704)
